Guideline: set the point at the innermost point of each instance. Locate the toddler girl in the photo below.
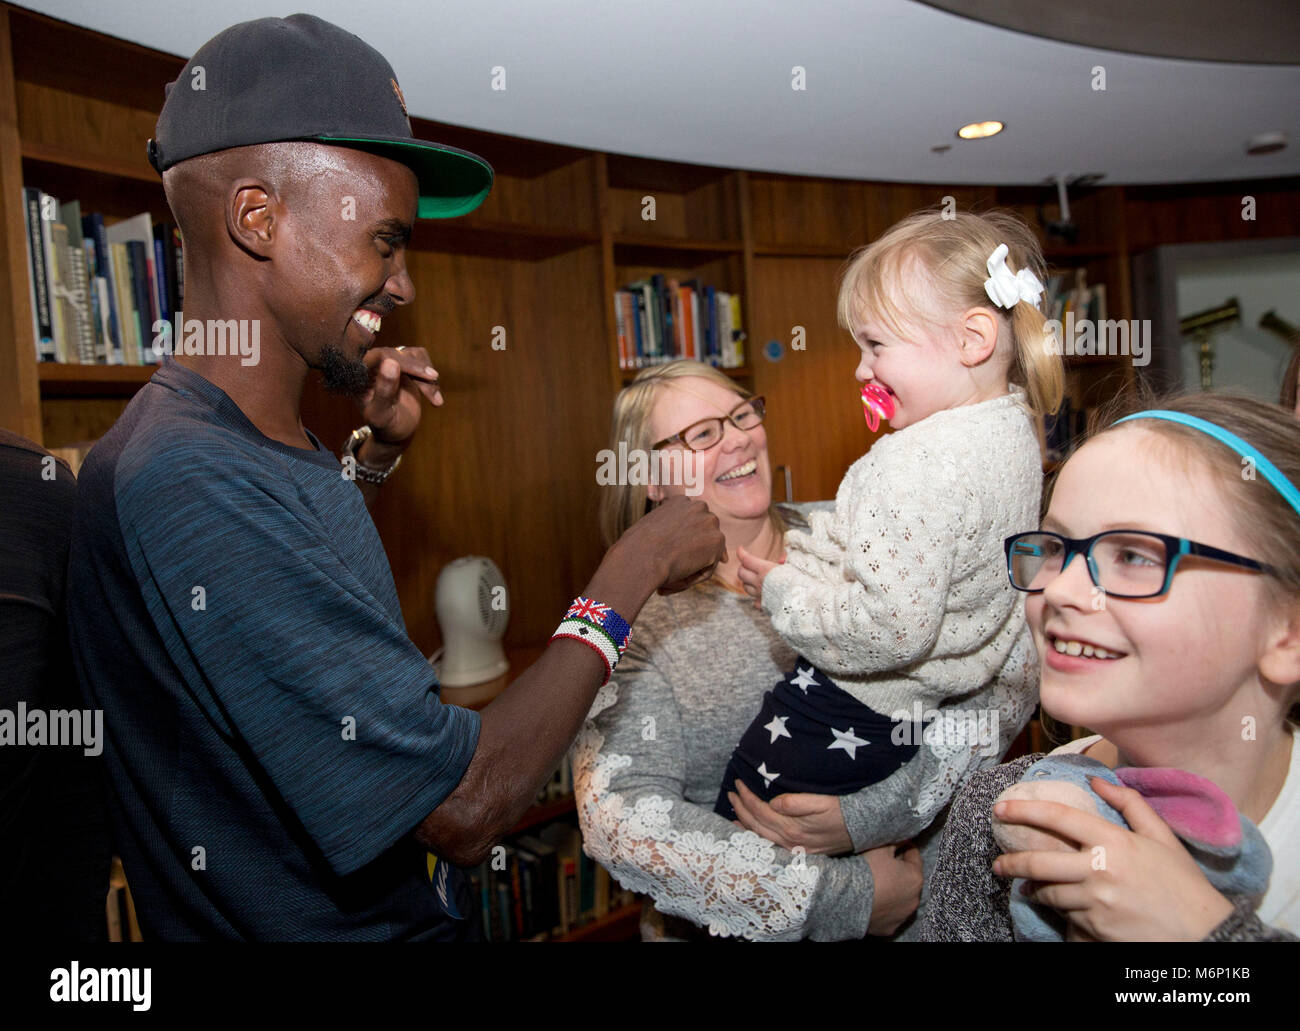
(1178, 640)
(897, 601)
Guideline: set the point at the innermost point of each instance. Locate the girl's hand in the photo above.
(811, 822)
(1120, 884)
(753, 571)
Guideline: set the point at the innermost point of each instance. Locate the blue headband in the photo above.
(1267, 469)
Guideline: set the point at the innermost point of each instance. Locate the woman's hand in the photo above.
(811, 822)
(1120, 884)
(898, 879)
(752, 572)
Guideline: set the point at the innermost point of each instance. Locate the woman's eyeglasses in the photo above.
(1123, 563)
(707, 433)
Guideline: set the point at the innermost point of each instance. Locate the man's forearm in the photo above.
(526, 730)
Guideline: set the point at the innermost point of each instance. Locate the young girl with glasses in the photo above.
(1164, 600)
(897, 601)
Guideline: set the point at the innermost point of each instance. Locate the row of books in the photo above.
(542, 886)
(98, 289)
(1070, 293)
(660, 319)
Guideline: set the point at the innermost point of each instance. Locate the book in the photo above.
(37, 276)
(545, 901)
(78, 284)
(141, 267)
(735, 346)
(169, 266)
(66, 322)
(129, 324)
(620, 329)
(92, 227)
(53, 279)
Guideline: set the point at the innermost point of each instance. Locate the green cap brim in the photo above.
(451, 182)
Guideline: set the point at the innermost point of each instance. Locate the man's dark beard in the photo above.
(343, 375)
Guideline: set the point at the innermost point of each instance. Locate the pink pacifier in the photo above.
(877, 404)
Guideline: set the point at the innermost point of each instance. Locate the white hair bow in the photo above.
(1007, 289)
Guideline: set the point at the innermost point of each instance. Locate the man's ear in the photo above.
(1280, 663)
(978, 336)
(251, 216)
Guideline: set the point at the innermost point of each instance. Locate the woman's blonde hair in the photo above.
(950, 250)
(623, 504)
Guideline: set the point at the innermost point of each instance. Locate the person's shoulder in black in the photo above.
(54, 860)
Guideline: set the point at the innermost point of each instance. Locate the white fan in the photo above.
(473, 610)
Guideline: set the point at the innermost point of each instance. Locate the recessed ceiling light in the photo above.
(1266, 143)
(980, 130)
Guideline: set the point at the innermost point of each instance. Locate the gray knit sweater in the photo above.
(649, 761)
(967, 902)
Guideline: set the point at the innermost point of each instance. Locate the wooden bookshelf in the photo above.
(59, 380)
(618, 926)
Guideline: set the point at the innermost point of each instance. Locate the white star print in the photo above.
(767, 777)
(805, 679)
(847, 741)
(777, 727)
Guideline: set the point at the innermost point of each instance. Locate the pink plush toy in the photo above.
(1228, 848)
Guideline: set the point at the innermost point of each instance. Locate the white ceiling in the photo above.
(709, 81)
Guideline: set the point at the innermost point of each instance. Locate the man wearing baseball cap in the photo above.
(281, 765)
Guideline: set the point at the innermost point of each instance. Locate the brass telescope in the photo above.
(1201, 324)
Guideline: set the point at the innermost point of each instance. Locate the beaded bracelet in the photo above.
(598, 626)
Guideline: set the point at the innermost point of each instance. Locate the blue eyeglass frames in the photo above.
(1123, 563)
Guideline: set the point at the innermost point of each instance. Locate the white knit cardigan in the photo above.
(900, 593)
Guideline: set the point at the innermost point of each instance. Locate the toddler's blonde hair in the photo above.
(938, 260)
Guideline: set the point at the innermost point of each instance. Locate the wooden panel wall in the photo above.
(20, 400)
(814, 422)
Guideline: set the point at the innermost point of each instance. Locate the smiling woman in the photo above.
(658, 740)
(648, 763)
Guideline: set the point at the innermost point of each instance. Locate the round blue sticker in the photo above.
(774, 351)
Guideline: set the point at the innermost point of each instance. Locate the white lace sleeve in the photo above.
(627, 769)
(884, 607)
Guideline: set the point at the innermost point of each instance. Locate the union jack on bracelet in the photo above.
(604, 617)
(598, 626)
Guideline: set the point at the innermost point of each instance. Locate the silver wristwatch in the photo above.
(367, 473)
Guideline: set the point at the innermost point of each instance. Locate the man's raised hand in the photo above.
(683, 538)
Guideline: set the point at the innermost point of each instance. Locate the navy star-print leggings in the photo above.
(811, 735)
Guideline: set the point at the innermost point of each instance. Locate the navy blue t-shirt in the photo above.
(273, 736)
